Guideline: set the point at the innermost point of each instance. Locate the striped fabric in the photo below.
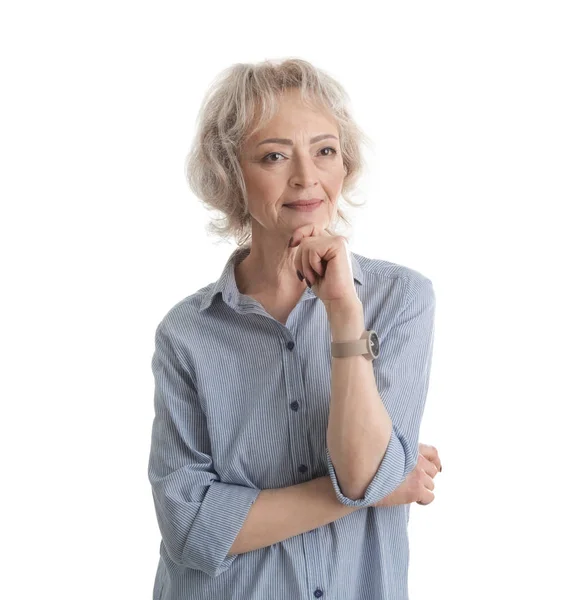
(241, 405)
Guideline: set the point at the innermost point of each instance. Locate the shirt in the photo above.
(241, 404)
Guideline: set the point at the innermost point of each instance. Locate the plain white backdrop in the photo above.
(473, 180)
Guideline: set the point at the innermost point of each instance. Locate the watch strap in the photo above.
(352, 348)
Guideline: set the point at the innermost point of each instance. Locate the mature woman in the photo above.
(288, 393)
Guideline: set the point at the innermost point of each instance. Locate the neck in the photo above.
(269, 270)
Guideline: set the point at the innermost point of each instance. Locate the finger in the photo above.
(304, 265)
(309, 259)
(426, 498)
(428, 482)
(427, 466)
(311, 263)
(316, 262)
(430, 453)
(298, 261)
(431, 470)
(308, 230)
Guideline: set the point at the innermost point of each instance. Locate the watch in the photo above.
(367, 345)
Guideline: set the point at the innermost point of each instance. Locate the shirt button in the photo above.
(294, 406)
(318, 593)
(303, 468)
(290, 345)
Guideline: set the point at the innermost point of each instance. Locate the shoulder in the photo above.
(386, 275)
(184, 314)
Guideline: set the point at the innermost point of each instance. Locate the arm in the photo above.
(279, 514)
(199, 516)
(375, 447)
(359, 426)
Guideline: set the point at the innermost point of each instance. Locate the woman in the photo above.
(283, 463)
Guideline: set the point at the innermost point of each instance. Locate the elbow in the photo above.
(347, 480)
(351, 491)
(356, 487)
(354, 493)
(353, 488)
(355, 476)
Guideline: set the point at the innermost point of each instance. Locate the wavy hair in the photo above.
(241, 100)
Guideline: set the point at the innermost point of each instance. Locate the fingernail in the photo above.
(300, 276)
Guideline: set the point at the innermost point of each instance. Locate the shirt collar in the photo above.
(227, 285)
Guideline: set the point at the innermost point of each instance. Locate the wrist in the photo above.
(346, 320)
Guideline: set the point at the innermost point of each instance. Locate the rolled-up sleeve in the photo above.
(198, 515)
(402, 376)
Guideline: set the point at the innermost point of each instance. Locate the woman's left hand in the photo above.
(324, 260)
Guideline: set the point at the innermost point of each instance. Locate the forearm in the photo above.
(279, 514)
(359, 427)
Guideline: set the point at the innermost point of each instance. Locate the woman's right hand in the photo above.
(416, 487)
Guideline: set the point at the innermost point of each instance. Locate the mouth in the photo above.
(304, 205)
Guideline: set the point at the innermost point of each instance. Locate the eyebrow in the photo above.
(288, 142)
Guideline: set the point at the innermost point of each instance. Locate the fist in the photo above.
(418, 485)
(324, 261)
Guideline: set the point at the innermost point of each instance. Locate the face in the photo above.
(304, 167)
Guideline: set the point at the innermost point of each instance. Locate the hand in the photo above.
(324, 260)
(431, 454)
(418, 483)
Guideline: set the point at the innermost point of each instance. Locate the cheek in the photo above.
(259, 185)
(335, 183)
(337, 173)
(263, 195)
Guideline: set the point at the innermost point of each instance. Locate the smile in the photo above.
(304, 207)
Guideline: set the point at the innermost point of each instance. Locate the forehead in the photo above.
(294, 116)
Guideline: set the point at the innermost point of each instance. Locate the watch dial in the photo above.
(374, 341)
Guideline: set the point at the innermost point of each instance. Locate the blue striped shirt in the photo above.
(241, 405)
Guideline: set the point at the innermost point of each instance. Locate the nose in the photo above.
(304, 172)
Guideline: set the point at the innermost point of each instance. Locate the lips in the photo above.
(304, 202)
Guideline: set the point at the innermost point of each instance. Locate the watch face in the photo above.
(374, 343)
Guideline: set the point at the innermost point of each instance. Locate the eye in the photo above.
(329, 148)
(265, 159)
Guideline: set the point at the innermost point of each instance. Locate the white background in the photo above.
(473, 108)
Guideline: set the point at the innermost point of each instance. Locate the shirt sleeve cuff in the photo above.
(394, 468)
(218, 522)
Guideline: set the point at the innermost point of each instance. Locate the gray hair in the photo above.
(241, 100)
